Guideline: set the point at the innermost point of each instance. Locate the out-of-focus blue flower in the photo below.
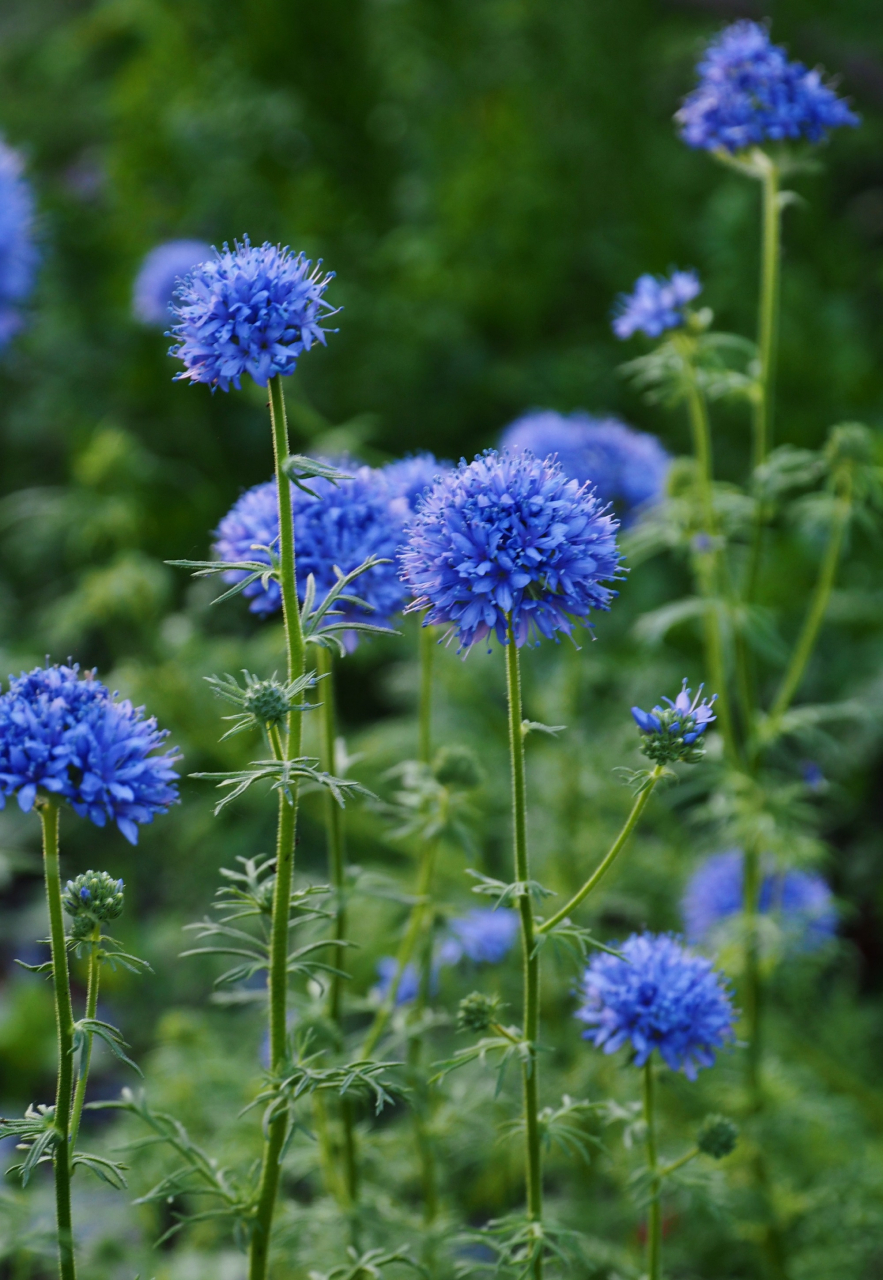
(248, 310)
(750, 92)
(67, 735)
(800, 900)
(624, 466)
(342, 525)
(409, 984)
(655, 304)
(409, 478)
(484, 936)
(159, 274)
(674, 732)
(659, 996)
(509, 534)
(18, 253)
(812, 774)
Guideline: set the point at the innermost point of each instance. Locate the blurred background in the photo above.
(483, 179)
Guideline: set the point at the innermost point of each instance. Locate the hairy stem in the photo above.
(427, 653)
(528, 941)
(654, 1226)
(91, 1007)
(64, 1024)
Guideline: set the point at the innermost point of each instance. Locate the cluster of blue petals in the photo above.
(162, 270)
(65, 734)
(750, 92)
(409, 983)
(658, 996)
(248, 310)
(18, 253)
(343, 524)
(625, 467)
(694, 716)
(655, 305)
(484, 936)
(509, 535)
(408, 479)
(800, 900)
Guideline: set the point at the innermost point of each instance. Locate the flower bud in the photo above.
(267, 701)
(91, 899)
(476, 1012)
(717, 1136)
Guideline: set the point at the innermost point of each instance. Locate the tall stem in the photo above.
(654, 1226)
(427, 654)
(285, 838)
(528, 942)
(91, 1009)
(64, 1024)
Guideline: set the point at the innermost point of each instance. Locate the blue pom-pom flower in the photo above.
(625, 467)
(659, 996)
(250, 309)
(800, 902)
(162, 270)
(675, 732)
(66, 735)
(655, 305)
(510, 536)
(750, 92)
(18, 252)
(484, 936)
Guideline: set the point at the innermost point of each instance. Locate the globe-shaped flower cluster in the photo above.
(508, 537)
(18, 253)
(163, 268)
(625, 467)
(675, 732)
(655, 305)
(800, 901)
(750, 92)
(65, 734)
(250, 309)
(483, 935)
(658, 996)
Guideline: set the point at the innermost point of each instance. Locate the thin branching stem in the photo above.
(654, 1226)
(94, 977)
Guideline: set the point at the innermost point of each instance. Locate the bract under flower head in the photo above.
(655, 305)
(800, 901)
(163, 268)
(250, 309)
(18, 253)
(675, 732)
(658, 996)
(342, 525)
(509, 536)
(750, 92)
(66, 735)
(625, 467)
(483, 935)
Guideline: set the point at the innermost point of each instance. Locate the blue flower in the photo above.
(68, 736)
(409, 984)
(624, 466)
(675, 732)
(749, 92)
(801, 901)
(18, 253)
(409, 478)
(655, 304)
(341, 525)
(160, 272)
(508, 535)
(248, 310)
(484, 936)
(658, 996)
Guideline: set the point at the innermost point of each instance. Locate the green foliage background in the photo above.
(483, 178)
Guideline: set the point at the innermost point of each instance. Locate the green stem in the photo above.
(666, 1169)
(91, 1007)
(654, 1226)
(818, 605)
(604, 866)
(768, 317)
(528, 941)
(287, 823)
(64, 1023)
(427, 653)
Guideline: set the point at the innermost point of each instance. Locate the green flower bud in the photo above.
(267, 701)
(717, 1136)
(457, 768)
(91, 899)
(476, 1012)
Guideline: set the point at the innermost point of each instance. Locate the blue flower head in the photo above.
(64, 734)
(409, 983)
(625, 467)
(18, 253)
(342, 525)
(510, 536)
(675, 732)
(655, 305)
(750, 92)
(248, 310)
(484, 936)
(658, 996)
(800, 901)
(409, 478)
(160, 273)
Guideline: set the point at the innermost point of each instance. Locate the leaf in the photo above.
(534, 726)
(282, 774)
(298, 467)
(107, 1170)
(87, 1027)
(508, 893)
